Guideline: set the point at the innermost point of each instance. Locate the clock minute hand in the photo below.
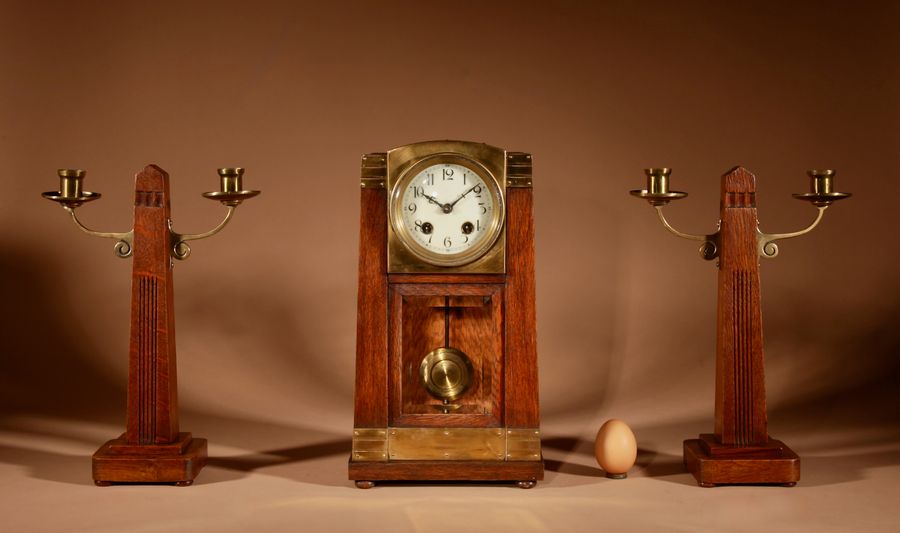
(461, 196)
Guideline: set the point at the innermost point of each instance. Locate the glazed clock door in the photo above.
(446, 352)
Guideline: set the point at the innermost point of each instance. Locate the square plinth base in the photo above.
(179, 462)
(524, 473)
(714, 464)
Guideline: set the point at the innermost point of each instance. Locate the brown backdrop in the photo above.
(297, 92)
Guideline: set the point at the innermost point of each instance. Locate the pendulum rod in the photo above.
(446, 321)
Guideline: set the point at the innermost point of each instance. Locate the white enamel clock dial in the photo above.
(447, 210)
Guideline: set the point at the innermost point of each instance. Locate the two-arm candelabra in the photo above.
(740, 449)
(152, 449)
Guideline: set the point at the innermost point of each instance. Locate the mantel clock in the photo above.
(446, 358)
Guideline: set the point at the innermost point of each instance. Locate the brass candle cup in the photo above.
(231, 191)
(231, 179)
(821, 189)
(71, 193)
(657, 191)
(657, 180)
(820, 181)
(70, 182)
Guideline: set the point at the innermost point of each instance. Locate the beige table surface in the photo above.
(270, 477)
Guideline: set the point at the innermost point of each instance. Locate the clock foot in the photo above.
(179, 462)
(770, 463)
(616, 476)
(365, 484)
(526, 484)
(706, 485)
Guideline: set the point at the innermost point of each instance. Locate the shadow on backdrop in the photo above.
(46, 367)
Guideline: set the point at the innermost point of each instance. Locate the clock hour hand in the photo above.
(433, 200)
(446, 208)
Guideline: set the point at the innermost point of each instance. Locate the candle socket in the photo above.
(821, 181)
(231, 179)
(821, 189)
(657, 180)
(232, 191)
(70, 182)
(657, 192)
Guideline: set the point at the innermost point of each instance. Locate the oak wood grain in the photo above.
(447, 470)
(521, 387)
(419, 326)
(740, 413)
(371, 391)
(742, 468)
(152, 379)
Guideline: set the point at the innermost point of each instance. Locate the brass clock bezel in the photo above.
(494, 229)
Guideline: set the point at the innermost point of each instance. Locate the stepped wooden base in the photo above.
(524, 473)
(713, 464)
(179, 462)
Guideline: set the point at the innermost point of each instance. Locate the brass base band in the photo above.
(446, 444)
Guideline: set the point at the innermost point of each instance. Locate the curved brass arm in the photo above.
(180, 248)
(766, 241)
(123, 248)
(708, 250)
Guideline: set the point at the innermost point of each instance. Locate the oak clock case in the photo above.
(446, 368)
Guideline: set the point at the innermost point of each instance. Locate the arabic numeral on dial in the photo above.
(418, 191)
(448, 174)
(484, 209)
(465, 174)
(478, 225)
(447, 242)
(411, 207)
(424, 227)
(429, 178)
(477, 190)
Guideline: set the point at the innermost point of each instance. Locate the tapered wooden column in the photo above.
(152, 386)
(740, 450)
(152, 448)
(740, 368)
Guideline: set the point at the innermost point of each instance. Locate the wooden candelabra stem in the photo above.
(740, 450)
(152, 449)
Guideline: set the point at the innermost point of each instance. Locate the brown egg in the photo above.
(616, 448)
